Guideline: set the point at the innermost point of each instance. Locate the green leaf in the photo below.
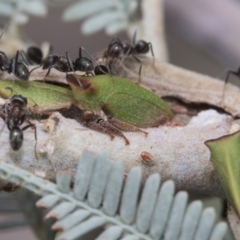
(225, 157)
(46, 96)
(119, 98)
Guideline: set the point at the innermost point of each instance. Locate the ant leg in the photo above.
(69, 62)
(4, 28)
(33, 69)
(80, 52)
(23, 58)
(92, 58)
(134, 38)
(151, 48)
(48, 72)
(115, 39)
(3, 116)
(236, 73)
(125, 126)
(13, 66)
(111, 129)
(140, 68)
(89, 119)
(88, 74)
(35, 104)
(95, 125)
(35, 134)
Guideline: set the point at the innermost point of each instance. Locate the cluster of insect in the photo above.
(126, 106)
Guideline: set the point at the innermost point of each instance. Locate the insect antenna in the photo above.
(236, 73)
(11, 89)
(4, 28)
(92, 58)
(72, 68)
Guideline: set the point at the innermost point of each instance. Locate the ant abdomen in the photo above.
(22, 71)
(83, 64)
(16, 138)
(50, 60)
(4, 62)
(34, 55)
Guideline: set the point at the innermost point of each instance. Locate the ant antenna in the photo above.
(132, 43)
(5, 28)
(71, 66)
(134, 38)
(70, 62)
(3, 116)
(11, 89)
(92, 58)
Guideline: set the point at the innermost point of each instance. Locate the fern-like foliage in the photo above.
(100, 198)
(111, 15)
(18, 10)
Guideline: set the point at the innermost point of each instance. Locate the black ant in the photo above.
(14, 115)
(118, 50)
(65, 64)
(13, 66)
(61, 63)
(34, 55)
(87, 65)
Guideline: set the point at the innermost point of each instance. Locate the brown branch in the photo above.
(176, 152)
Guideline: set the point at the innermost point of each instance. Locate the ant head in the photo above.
(19, 99)
(50, 60)
(141, 47)
(83, 64)
(127, 48)
(115, 49)
(63, 64)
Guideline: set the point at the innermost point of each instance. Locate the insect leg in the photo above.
(125, 126)
(111, 129)
(4, 118)
(35, 134)
(48, 72)
(69, 62)
(92, 58)
(151, 48)
(95, 125)
(140, 68)
(134, 38)
(236, 73)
